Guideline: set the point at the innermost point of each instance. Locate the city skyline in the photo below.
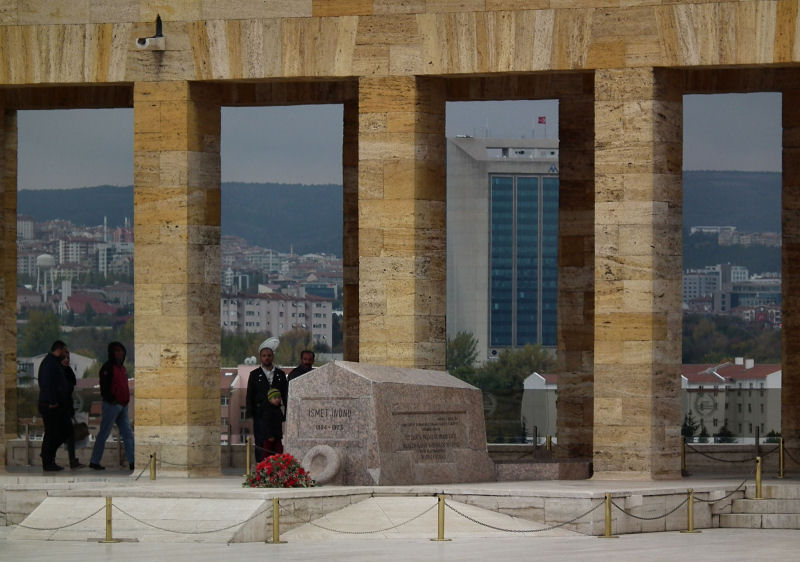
(77, 148)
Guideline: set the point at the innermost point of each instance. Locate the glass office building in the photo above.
(502, 242)
(523, 268)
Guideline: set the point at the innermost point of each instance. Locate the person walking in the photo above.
(265, 377)
(116, 394)
(55, 405)
(72, 381)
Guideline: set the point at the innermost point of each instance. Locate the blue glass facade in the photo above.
(523, 284)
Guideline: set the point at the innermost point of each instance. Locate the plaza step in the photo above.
(779, 509)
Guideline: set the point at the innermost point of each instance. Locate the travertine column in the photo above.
(177, 231)
(350, 229)
(576, 268)
(790, 381)
(637, 354)
(8, 278)
(401, 214)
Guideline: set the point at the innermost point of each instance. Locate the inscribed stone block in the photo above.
(390, 426)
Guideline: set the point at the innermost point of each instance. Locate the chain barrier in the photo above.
(270, 451)
(713, 458)
(643, 518)
(788, 454)
(189, 532)
(465, 516)
(63, 526)
(162, 461)
(725, 497)
(310, 522)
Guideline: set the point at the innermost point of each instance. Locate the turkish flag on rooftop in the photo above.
(542, 120)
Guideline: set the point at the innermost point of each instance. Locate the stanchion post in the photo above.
(440, 534)
(276, 522)
(780, 457)
(247, 443)
(758, 479)
(109, 534)
(690, 514)
(683, 456)
(608, 534)
(549, 442)
(153, 466)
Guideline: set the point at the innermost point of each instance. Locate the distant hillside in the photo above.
(85, 206)
(750, 201)
(307, 218)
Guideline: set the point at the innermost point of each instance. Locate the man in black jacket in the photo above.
(55, 405)
(259, 382)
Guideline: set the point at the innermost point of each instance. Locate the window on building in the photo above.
(750, 428)
(715, 421)
(224, 400)
(749, 408)
(739, 408)
(740, 429)
(224, 421)
(242, 413)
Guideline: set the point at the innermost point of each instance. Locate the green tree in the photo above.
(461, 355)
(703, 437)
(725, 435)
(689, 427)
(235, 348)
(512, 367)
(38, 334)
(292, 343)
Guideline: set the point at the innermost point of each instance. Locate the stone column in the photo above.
(8, 278)
(790, 380)
(401, 222)
(637, 352)
(350, 229)
(576, 268)
(177, 270)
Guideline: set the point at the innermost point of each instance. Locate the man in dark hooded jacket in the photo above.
(116, 395)
(55, 405)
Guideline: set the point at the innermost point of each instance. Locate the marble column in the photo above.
(401, 222)
(576, 268)
(790, 225)
(637, 340)
(8, 278)
(177, 271)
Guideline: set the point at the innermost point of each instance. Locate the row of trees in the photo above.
(709, 339)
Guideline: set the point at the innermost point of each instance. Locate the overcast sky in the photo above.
(302, 144)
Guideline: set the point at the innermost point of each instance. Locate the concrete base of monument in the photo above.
(543, 469)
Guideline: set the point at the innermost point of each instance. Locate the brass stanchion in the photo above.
(153, 466)
(758, 479)
(683, 456)
(247, 443)
(109, 535)
(276, 522)
(440, 535)
(690, 514)
(780, 457)
(549, 442)
(608, 534)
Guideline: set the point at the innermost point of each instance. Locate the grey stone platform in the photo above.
(219, 510)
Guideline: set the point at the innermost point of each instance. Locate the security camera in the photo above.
(155, 43)
(151, 43)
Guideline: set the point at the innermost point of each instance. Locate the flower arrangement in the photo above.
(279, 471)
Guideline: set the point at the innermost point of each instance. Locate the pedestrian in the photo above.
(273, 424)
(306, 364)
(116, 394)
(55, 405)
(72, 381)
(263, 378)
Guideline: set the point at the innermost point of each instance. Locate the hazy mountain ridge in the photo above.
(307, 218)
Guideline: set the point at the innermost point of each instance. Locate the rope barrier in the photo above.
(310, 522)
(643, 518)
(739, 487)
(465, 516)
(206, 532)
(713, 458)
(62, 526)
